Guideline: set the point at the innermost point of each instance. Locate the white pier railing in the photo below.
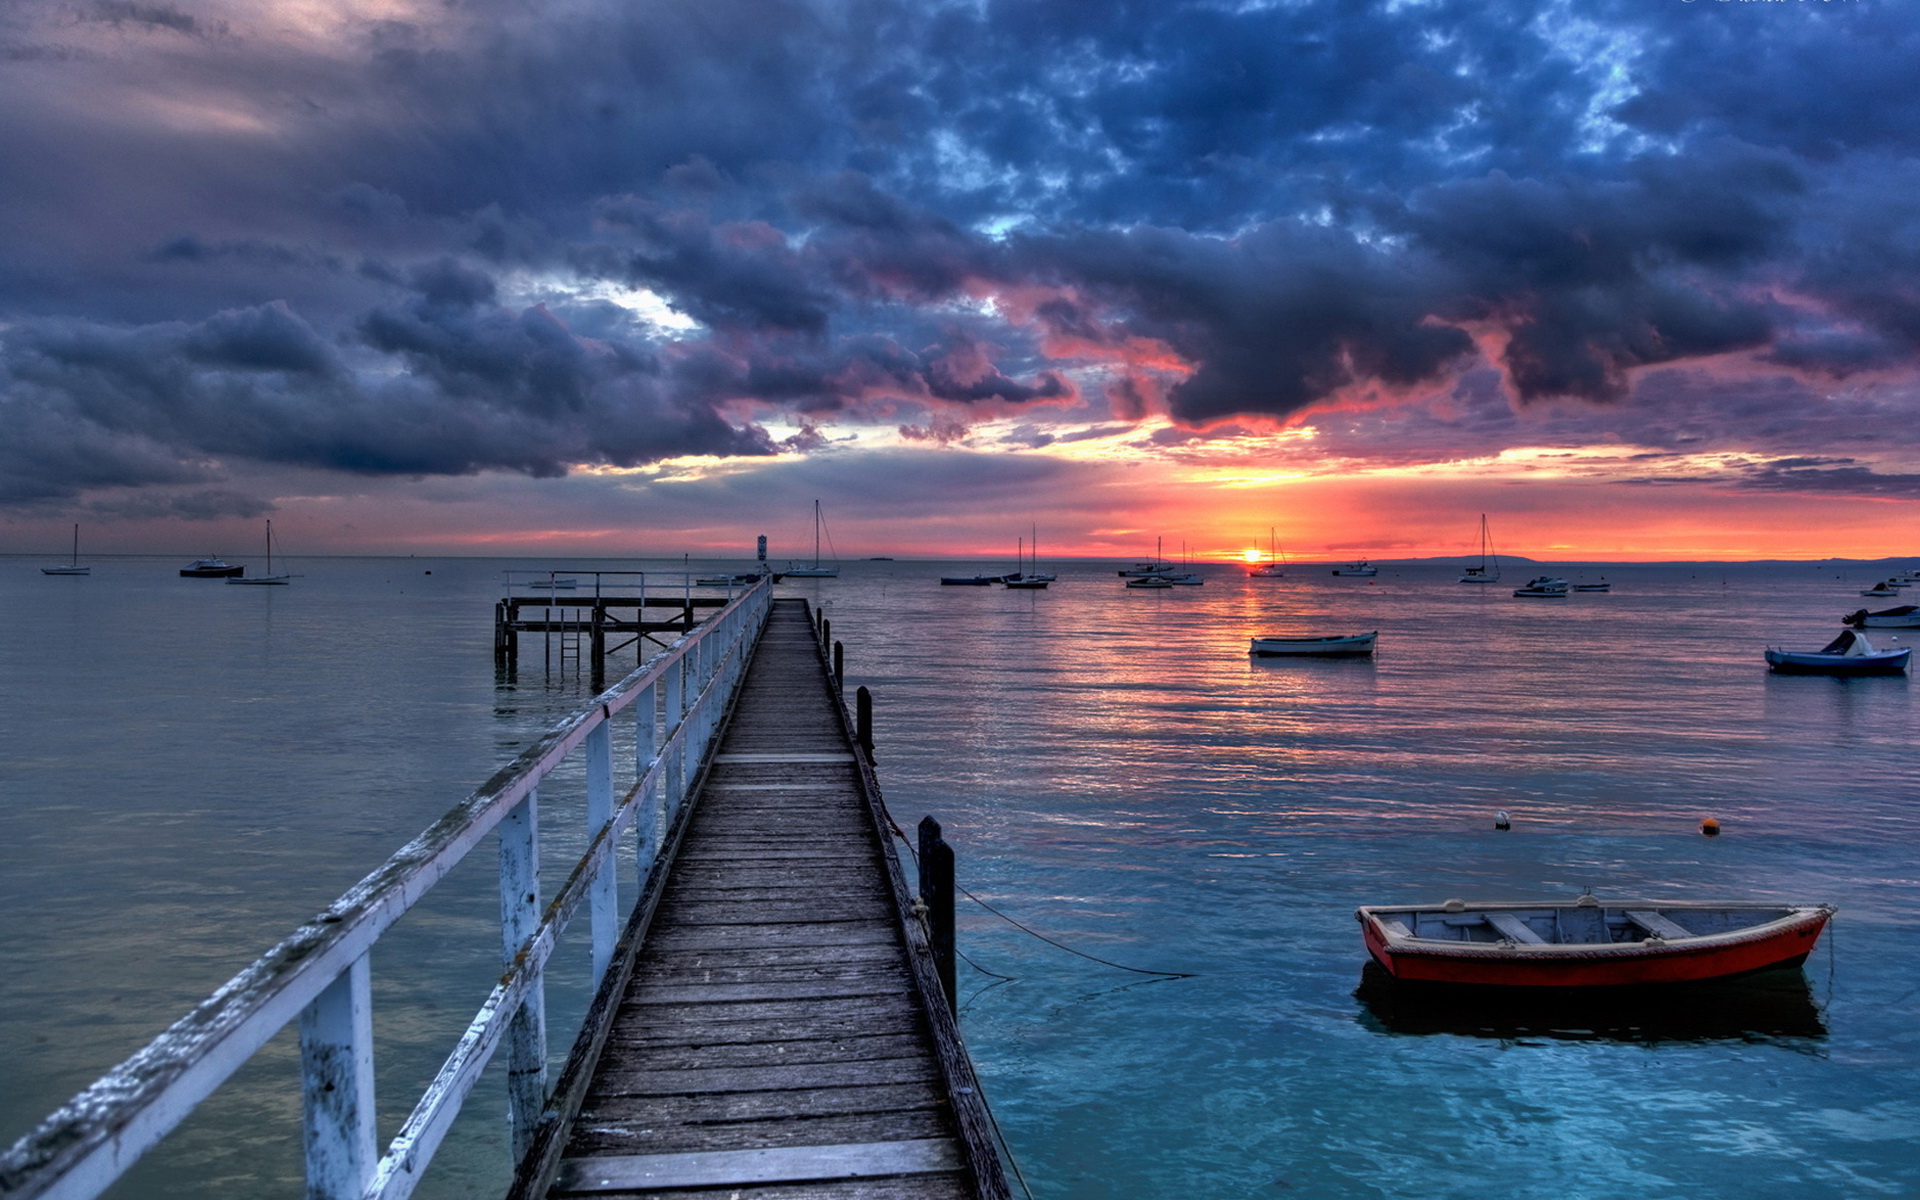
(320, 975)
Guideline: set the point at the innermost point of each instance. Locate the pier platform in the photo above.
(773, 1026)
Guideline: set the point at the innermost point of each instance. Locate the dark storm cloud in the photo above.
(226, 240)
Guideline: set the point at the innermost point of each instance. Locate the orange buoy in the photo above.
(1710, 827)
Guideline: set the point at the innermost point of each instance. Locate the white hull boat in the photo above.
(815, 569)
(1363, 568)
(1352, 645)
(1906, 616)
(1543, 587)
(73, 567)
(1882, 590)
(1849, 654)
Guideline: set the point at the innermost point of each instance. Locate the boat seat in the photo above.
(1512, 927)
(1658, 925)
(1396, 928)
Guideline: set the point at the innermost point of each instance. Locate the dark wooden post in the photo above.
(936, 892)
(599, 642)
(863, 720)
(826, 632)
(839, 667)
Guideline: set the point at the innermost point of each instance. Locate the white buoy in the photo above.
(1501, 820)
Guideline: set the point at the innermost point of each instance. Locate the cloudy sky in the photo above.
(1638, 279)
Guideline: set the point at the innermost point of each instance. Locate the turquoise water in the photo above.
(187, 771)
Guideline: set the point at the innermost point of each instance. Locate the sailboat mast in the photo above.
(76, 545)
(816, 533)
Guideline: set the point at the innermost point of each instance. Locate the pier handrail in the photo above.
(320, 975)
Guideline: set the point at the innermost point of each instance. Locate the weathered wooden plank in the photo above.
(952, 1186)
(798, 1077)
(782, 990)
(760, 1052)
(837, 933)
(777, 1029)
(786, 1165)
(855, 1008)
(645, 1136)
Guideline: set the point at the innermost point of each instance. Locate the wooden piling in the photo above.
(936, 896)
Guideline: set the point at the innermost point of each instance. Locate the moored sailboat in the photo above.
(73, 567)
(816, 569)
(269, 579)
(1489, 569)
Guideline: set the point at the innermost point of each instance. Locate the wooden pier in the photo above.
(770, 1024)
(591, 628)
(773, 1026)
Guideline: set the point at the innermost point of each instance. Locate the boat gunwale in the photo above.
(1796, 915)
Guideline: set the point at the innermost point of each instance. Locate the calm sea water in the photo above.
(187, 771)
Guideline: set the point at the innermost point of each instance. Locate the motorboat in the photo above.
(1592, 587)
(1187, 579)
(1906, 616)
(1543, 587)
(741, 579)
(211, 568)
(1351, 645)
(1156, 566)
(1849, 654)
(1029, 583)
(72, 567)
(969, 580)
(1489, 569)
(555, 584)
(1587, 942)
(1361, 568)
(1150, 581)
(1883, 589)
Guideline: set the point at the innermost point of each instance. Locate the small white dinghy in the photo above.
(1904, 616)
(1344, 646)
(1849, 654)
(1883, 589)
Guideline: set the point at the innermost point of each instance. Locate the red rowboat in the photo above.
(1585, 943)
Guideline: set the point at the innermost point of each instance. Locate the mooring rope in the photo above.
(1029, 931)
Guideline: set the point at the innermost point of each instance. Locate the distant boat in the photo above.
(555, 582)
(1888, 588)
(1147, 570)
(1021, 579)
(1543, 587)
(1584, 943)
(211, 568)
(815, 570)
(1593, 587)
(1150, 581)
(269, 579)
(1489, 569)
(1350, 645)
(1275, 565)
(1906, 616)
(742, 579)
(1360, 568)
(968, 580)
(1849, 654)
(73, 567)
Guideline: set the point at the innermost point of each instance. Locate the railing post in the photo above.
(863, 720)
(670, 720)
(839, 667)
(604, 894)
(936, 893)
(646, 824)
(519, 917)
(336, 1083)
